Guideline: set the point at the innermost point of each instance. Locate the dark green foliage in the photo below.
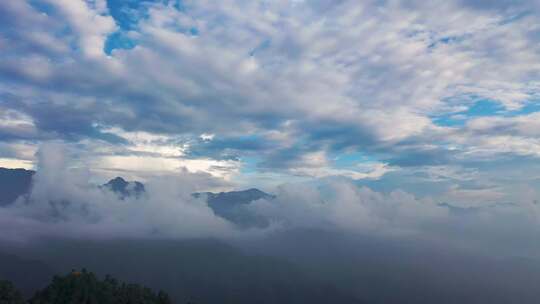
(85, 288)
(8, 294)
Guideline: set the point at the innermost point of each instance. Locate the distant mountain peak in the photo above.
(124, 188)
(239, 197)
(118, 179)
(117, 182)
(233, 206)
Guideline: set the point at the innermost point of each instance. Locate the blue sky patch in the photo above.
(42, 7)
(478, 109)
(118, 40)
(350, 160)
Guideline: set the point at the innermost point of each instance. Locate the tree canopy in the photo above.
(83, 287)
(9, 294)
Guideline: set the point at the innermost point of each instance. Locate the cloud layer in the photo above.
(64, 203)
(287, 85)
(417, 101)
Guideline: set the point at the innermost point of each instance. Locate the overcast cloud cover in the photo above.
(390, 108)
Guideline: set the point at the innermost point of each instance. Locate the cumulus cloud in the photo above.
(339, 204)
(343, 207)
(64, 203)
(335, 76)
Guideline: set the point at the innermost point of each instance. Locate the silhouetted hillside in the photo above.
(124, 188)
(9, 294)
(85, 288)
(14, 183)
(203, 271)
(232, 206)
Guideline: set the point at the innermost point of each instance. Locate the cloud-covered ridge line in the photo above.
(63, 203)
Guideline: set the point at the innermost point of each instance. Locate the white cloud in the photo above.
(288, 71)
(344, 206)
(63, 203)
(91, 25)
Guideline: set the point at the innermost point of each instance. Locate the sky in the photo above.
(440, 99)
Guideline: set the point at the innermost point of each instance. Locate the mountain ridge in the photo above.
(231, 205)
(17, 182)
